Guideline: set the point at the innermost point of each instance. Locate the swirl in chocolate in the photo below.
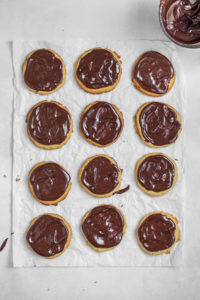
(43, 71)
(49, 123)
(157, 232)
(49, 181)
(98, 69)
(100, 175)
(103, 227)
(159, 124)
(47, 236)
(181, 20)
(101, 123)
(156, 173)
(153, 71)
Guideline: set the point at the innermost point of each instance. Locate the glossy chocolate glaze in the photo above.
(100, 175)
(159, 124)
(98, 69)
(43, 71)
(181, 19)
(122, 191)
(49, 181)
(157, 232)
(47, 236)
(3, 244)
(156, 173)
(103, 227)
(153, 72)
(101, 123)
(49, 124)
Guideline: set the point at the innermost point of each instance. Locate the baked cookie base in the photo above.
(54, 146)
(100, 90)
(138, 127)
(177, 233)
(149, 93)
(56, 201)
(86, 189)
(149, 192)
(68, 239)
(91, 141)
(103, 249)
(63, 72)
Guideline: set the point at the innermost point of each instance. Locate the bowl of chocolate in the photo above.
(180, 21)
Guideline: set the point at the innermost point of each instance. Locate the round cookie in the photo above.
(158, 124)
(49, 125)
(104, 227)
(157, 233)
(100, 176)
(40, 235)
(101, 123)
(49, 182)
(153, 74)
(156, 174)
(98, 70)
(44, 71)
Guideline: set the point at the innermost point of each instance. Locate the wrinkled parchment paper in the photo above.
(126, 151)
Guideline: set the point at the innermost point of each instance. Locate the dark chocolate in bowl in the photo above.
(180, 21)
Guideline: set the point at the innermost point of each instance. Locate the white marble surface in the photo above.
(124, 19)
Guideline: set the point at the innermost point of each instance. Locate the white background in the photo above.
(124, 19)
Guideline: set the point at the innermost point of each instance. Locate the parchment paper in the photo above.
(126, 151)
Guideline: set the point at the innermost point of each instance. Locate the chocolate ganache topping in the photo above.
(159, 124)
(43, 71)
(153, 72)
(181, 20)
(98, 69)
(103, 227)
(156, 173)
(157, 232)
(47, 236)
(100, 175)
(49, 123)
(49, 181)
(101, 123)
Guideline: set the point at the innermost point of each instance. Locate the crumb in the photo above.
(95, 282)
(12, 233)
(17, 179)
(48, 289)
(122, 205)
(4, 176)
(176, 159)
(34, 265)
(30, 159)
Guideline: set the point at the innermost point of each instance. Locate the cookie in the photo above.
(49, 235)
(156, 174)
(158, 232)
(153, 74)
(49, 125)
(98, 70)
(49, 182)
(101, 123)
(100, 176)
(104, 227)
(158, 124)
(44, 71)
